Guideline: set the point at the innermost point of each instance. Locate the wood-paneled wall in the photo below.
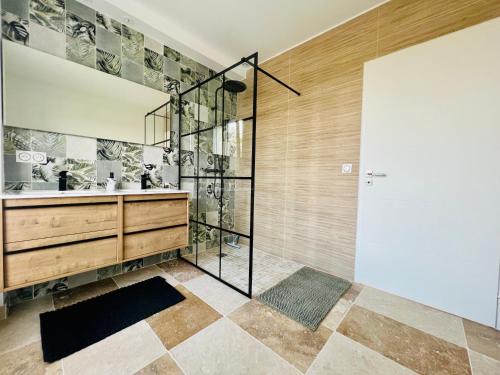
(305, 208)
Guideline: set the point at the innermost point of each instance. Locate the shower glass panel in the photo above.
(217, 164)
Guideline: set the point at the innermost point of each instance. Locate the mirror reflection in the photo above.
(45, 92)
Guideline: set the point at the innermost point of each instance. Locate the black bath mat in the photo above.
(75, 327)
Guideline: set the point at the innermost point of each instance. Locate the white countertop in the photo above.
(84, 193)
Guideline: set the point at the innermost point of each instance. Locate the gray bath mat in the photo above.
(306, 296)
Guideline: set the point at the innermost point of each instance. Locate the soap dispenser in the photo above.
(63, 180)
(111, 182)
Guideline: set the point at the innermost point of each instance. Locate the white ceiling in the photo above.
(226, 30)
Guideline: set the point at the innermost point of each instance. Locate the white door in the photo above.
(430, 230)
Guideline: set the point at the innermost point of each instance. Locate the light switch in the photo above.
(346, 168)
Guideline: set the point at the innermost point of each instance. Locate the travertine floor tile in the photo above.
(268, 269)
(337, 313)
(225, 349)
(410, 347)
(482, 339)
(129, 278)
(219, 296)
(22, 327)
(28, 360)
(435, 322)
(164, 365)
(294, 342)
(342, 356)
(125, 352)
(182, 271)
(181, 321)
(483, 365)
(84, 292)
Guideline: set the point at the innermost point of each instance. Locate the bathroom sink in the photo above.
(128, 191)
(80, 192)
(51, 192)
(144, 191)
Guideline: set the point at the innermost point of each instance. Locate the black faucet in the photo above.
(145, 177)
(63, 180)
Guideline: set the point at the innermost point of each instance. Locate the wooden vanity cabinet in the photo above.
(48, 238)
(153, 224)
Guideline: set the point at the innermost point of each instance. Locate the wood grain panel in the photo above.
(272, 115)
(28, 202)
(119, 220)
(137, 245)
(154, 197)
(37, 266)
(68, 238)
(305, 208)
(406, 23)
(53, 224)
(139, 216)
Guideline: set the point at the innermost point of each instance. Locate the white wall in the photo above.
(430, 230)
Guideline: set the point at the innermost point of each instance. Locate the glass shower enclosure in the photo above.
(217, 123)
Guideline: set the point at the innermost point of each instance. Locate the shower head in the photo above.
(234, 86)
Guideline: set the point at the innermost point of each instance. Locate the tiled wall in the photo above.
(89, 161)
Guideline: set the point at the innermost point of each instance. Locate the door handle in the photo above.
(370, 174)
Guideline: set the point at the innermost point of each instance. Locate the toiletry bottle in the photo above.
(111, 182)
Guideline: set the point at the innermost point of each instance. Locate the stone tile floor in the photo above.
(268, 269)
(216, 330)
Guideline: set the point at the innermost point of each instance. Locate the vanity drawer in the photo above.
(144, 215)
(45, 264)
(145, 243)
(31, 227)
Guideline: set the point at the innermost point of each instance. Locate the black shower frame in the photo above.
(252, 60)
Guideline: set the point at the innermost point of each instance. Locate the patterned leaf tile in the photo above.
(108, 63)
(132, 162)
(172, 54)
(14, 28)
(48, 172)
(108, 23)
(83, 174)
(48, 13)
(16, 139)
(54, 144)
(109, 150)
(153, 60)
(171, 85)
(79, 28)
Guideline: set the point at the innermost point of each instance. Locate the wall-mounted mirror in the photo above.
(45, 92)
(157, 126)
